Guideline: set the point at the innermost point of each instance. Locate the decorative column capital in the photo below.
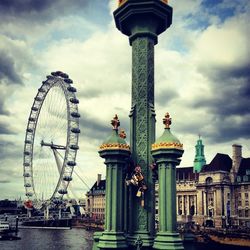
(143, 18)
(167, 147)
(115, 144)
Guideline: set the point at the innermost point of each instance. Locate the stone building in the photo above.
(95, 199)
(218, 194)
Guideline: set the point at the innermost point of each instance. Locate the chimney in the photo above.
(99, 177)
(236, 157)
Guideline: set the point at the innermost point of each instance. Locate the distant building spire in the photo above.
(199, 159)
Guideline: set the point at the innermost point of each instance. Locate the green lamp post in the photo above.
(167, 151)
(116, 152)
(142, 21)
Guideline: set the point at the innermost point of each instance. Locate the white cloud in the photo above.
(99, 63)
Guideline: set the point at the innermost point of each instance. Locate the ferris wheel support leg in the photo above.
(47, 213)
(60, 213)
(28, 213)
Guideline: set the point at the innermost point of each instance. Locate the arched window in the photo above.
(209, 180)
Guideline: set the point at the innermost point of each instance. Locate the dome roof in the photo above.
(115, 140)
(167, 140)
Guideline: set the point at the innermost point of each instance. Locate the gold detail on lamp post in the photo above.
(167, 120)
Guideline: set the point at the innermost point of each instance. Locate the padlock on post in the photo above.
(142, 199)
(139, 193)
(140, 177)
(144, 187)
(134, 180)
(128, 182)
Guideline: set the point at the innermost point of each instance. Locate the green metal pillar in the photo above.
(167, 151)
(116, 152)
(142, 21)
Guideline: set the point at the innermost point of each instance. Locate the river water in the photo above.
(75, 239)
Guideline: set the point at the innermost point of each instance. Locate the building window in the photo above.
(246, 213)
(240, 213)
(209, 180)
(246, 187)
(246, 203)
(228, 196)
(210, 201)
(246, 195)
(239, 203)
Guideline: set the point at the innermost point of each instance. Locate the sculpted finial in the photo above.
(122, 133)
(115, 122)
(165, 1)
(121, 2)
(167, 120)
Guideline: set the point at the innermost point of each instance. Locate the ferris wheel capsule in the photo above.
(71, 89)
(71, 163)
(75, 115)
(67, 178)
(74, 100)
(67, 80)
(74, 147)
(62, 191)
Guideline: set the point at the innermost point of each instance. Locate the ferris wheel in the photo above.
(51, 140)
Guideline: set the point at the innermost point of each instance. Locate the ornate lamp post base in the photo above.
(112, 240)
(168, 241)
(145, 238)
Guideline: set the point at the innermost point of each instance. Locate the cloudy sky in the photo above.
(202, 75)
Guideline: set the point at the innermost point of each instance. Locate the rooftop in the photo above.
(221, 162)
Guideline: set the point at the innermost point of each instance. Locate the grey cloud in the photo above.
(10, 150)
(5, 181)
(96, 129)
(93, 128)
(166, 96)
(89, 93)
(229, 130)
(8, 71)
(224, 72)
(229, 106)
(3, 111)
(231, 89)
(11, 159)
(4, 129)
(215, 129)
(38, 11)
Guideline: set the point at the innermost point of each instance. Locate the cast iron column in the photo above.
(167, 151)
(142, 21)
(116, 152)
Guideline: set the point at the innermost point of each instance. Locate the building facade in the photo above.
(215, 194)
(218, 195)
(95, 199)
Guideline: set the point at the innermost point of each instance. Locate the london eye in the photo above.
(51, 140)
